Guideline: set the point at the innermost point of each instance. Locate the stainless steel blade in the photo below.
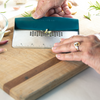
(38, 39)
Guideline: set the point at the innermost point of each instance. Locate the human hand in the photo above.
(57, 8)
(60, 11)
(3, 49)
(89, 50)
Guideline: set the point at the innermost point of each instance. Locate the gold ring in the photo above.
(76, 45)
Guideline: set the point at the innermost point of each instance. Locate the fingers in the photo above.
(2, 50)
(50, 12)
(61, 14)
(69, 16)
(67, 12)
(77, 38)
(58, 10)
(55, 15)
(67, 45)
(54, 11)
(74, 56)
(64, 48)
(66, 8)
(40, 2)
(42, 8)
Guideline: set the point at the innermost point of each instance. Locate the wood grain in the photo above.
(29, 74)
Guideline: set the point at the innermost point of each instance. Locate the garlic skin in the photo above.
(20, 1)
(7, 33)
(16, 7)
(1, 2)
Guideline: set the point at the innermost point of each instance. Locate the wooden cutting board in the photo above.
(27, 74)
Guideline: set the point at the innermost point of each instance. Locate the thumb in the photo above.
(42, 9)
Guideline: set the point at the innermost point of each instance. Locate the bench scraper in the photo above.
(44, 32)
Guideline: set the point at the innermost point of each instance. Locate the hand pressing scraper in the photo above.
(44, 32)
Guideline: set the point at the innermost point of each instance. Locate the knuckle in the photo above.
(64, 57)
(73, 37)
(86, 38)
(89, 41)
(93, 37)
(62, 42)
(73, 56)
(61, 48)
(70, 57)
(87, 54)
(90, 44)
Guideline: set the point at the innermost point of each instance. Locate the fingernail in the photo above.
(54, 48)
(58, 55)
(56, 44)
(35, 15)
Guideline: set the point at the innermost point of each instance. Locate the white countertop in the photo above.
(84, 86)
(10, 12)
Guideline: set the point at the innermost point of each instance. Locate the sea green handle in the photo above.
(50, 23)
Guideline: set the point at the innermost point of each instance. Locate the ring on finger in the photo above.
(76, 45)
